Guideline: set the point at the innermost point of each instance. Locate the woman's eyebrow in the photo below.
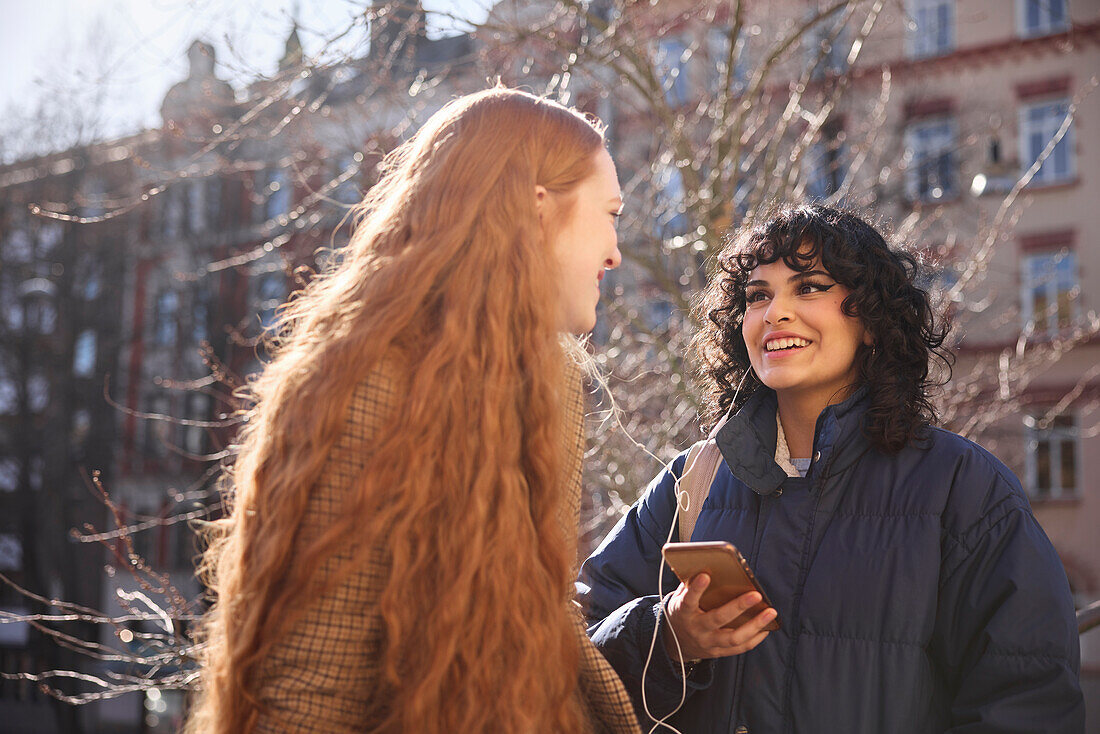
(808, 274)
(796, 276)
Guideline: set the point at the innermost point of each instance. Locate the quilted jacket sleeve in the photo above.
(617, 590)
(1006, 632)
(322, 676)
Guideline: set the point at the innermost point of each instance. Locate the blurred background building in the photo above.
(136, 274)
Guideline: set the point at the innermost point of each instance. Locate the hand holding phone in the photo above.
(719, 608)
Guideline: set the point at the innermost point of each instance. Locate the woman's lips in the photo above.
(781, 353)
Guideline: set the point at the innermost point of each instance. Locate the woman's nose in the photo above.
(777, 311)
(615, 260)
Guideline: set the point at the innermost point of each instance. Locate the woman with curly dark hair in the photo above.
(914, 589)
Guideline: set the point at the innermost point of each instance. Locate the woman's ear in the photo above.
(541, 195)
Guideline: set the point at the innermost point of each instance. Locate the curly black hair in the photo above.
(906, 333)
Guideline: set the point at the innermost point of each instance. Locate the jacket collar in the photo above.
(747, 440)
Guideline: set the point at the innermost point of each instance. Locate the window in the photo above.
(196, 207)
(672, 65)
(1050, 291)
(347, 192)
(82, 427)
(89, 269)
(49, 237)
(271, 292)
(94, 198)
(9, 395)
(38, 393)
(1041, 17)
(931, 28)
(826, 49)
(1052, 456)
(938, 279)
(9, 474)
(1039, 123)
(277, 193)
(39, 312)
(11, 552)
(158, 431)
(11, 306)
(172, 214)
(826, 163)
(166, 316)
(194, 438)
(718, 47)
(200, 316)
(18, 248)
(84, 354)
(670, 212)
(930, 150)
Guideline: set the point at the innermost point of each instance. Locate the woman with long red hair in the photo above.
(401, 535)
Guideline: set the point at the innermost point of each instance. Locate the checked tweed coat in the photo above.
(320, 677)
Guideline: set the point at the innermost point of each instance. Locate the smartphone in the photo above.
(730, 576)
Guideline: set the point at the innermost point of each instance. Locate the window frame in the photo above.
(827, 163)
(835, 60)
(1029, 285)
(271, 291)
(671, 201)
(947, 148)
(1026, 129)
(159, 434)
(914, 45)
(166, 328)
(348, 193)
(1058, 436)
(674, 86)
(716, 43)
(85, 353)
(1046, 26)
(279, 201)
(195, 437)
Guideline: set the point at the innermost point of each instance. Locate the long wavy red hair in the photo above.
(447, 268)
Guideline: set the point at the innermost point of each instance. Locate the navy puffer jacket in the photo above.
(916, 592)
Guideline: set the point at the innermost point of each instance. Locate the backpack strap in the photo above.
(700, 468)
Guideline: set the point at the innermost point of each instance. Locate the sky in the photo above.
(134, 50)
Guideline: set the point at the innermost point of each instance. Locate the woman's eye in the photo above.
(755, 297)
(809, 287)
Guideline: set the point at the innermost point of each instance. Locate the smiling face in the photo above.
(584, 242)
(800, 342)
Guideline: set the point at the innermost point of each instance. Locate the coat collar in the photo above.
(747, 440)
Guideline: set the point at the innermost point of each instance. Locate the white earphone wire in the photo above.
(683, 501)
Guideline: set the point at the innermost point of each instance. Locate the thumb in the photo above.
(695, 589)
